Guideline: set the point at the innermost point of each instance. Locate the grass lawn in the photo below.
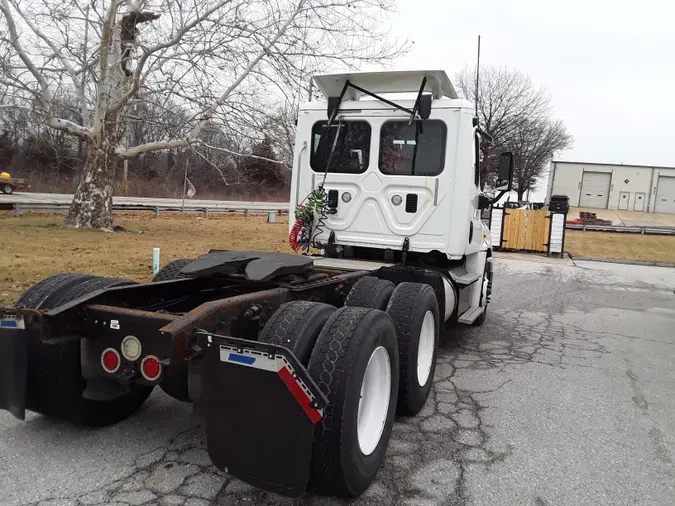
(35, 245)
(645, 248)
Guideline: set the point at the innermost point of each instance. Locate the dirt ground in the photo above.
(35, 245)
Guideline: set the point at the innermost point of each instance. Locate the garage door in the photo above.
(665, 195)
(595, 189)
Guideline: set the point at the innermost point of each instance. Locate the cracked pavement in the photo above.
(564, 396)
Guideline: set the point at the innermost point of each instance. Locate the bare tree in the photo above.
(221, 60)
(519, 117)
(280, 127)
(533, 143)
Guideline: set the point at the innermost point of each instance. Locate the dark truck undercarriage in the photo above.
(260, 396)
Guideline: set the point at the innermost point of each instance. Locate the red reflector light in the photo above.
(110, 360)
(151, 368)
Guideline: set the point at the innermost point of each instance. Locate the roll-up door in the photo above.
(595, 189)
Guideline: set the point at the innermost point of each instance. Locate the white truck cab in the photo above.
(396, 181)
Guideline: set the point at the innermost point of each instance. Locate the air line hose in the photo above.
(304, 233)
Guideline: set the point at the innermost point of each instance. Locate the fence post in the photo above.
(17, 210)
(155, 260)
(156, 212)
(206, 212)
(550, 232)
(501, 237)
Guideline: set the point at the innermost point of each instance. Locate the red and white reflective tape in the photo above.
(277, 364)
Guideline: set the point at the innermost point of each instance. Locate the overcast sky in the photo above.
(609, 65)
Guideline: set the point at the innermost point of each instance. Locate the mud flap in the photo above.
(13, 365)
(260, 407)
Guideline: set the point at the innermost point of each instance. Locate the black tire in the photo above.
(172, 270)
(338, 365)
(481, 319)
(175, 378)
(407, 307)
(7, 189)
(86, 287)
(55, 382)
(42, 294)
(297, 326)
(370, 292)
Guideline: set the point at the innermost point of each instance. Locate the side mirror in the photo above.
(483, 202)
(505, 173)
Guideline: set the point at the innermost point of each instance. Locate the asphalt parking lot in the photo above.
(564, 396)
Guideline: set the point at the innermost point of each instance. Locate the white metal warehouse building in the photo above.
(642, 188)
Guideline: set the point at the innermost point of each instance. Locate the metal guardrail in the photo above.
(19, 208)
(623, 228)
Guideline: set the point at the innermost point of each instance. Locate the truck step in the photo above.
(349, 264)
(463, 278)
(471, 314)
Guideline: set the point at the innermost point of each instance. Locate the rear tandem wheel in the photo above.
(355, 364)
(351, 354)
(370, 292)
(486, 288)
(55, 383)
(172, 270)
(296, 326)
(414, 309)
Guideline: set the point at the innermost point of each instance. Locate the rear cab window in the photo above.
(415, 150)
(352, 151)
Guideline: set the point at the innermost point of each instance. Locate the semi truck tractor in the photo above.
(296, 362)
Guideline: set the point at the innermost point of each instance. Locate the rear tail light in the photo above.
(110, 360)
(151, 369)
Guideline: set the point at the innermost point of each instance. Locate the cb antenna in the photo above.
(477, 76)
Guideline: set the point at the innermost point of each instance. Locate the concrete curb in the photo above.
(531, 257)
(618, 261)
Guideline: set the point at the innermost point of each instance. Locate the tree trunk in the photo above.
(92, 203)
(521, 192)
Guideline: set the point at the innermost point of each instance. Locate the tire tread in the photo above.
(288, 326)
(402, 308)
(331, 367)
(39, 295)
(172, 270)
(370, 292)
